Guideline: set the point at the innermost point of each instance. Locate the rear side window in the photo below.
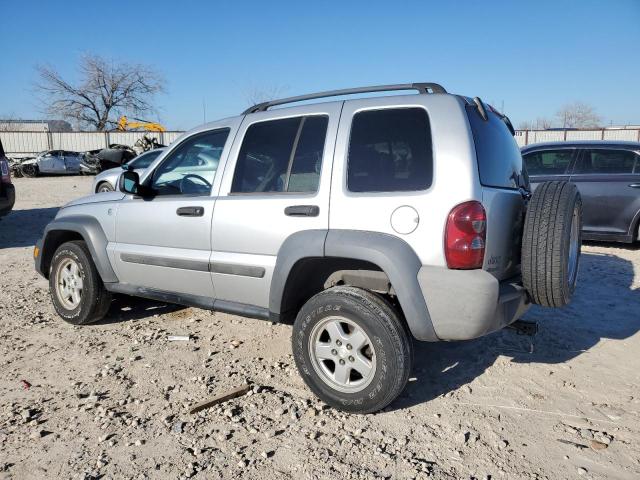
(281, 156)
(548, 162)
(599, 161)
(498, 155)
(390, 151)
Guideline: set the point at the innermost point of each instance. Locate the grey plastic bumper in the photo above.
(466, 304)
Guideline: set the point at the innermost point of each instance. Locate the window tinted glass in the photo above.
(281, 155)
(498, 155)
(144, 160)
(307, 160)
(191, 168)
(390, 151)
(606, 161)
(548, 162)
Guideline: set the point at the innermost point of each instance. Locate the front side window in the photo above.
(144, 160)
(191, 167)
(390, 151)
(606, 161)
(282, 155)
(548, 162)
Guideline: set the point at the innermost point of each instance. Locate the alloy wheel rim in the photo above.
(69, 284)
(342, 354)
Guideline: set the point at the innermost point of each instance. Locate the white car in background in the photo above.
(107, 181)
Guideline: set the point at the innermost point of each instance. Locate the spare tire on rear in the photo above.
(551, 243)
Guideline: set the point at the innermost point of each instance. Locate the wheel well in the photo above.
(54, 239)
(100, 184)
(309, 276)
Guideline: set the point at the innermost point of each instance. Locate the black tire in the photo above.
(94, 300)
(104, 187)
(29, 170)
(387, 332)
(546, 272)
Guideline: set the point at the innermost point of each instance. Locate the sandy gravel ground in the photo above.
(111, 400)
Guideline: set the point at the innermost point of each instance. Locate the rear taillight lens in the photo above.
(4, 171)
(465, 236)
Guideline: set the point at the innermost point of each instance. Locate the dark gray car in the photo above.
(607, 174)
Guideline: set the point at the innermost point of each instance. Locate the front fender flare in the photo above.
(91, 231)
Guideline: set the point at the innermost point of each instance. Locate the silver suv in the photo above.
(367, 223)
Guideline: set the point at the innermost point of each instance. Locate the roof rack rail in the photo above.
(420, 87)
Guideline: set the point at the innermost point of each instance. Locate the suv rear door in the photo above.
(608, 179)
(276, 183)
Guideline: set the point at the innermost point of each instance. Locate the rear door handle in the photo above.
(634, 185)
(190, 211)
(302, 211)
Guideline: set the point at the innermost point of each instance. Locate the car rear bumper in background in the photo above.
(7, 199)
(466, 304)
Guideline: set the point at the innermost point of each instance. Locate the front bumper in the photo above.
(466, 304)
(7, 199)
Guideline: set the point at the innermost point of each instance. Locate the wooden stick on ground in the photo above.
(223, 397)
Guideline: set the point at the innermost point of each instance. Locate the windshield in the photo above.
(144, 160)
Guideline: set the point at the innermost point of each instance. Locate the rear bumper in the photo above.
(466, 304)
(7, 199)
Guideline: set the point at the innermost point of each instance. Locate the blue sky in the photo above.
(533, 56)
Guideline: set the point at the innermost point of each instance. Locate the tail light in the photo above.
(465, 236)
(4, 171)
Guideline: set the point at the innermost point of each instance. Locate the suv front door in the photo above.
(164, 242)
(610, 191)
(276, 184)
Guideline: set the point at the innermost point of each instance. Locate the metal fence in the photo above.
(527, 137)
(21, 144)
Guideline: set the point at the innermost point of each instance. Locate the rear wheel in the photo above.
(76, 288)
(551, 243)
(352, 349)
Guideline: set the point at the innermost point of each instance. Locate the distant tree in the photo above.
(261, 94)
(104, 91)
(542, 123)
(525, 125)
(578, 115)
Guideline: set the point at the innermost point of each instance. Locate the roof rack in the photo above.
(420, 87)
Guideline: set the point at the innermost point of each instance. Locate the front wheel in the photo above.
(352, 349)
(76, 288)
(104, 187)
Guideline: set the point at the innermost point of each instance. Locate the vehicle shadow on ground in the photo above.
(605, 306)
(125, 308)
(23, 228)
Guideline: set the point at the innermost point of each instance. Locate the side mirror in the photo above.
(129, 182)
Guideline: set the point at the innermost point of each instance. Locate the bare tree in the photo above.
(261, 94)
(525, 125)
(104, 91)
(578, 115)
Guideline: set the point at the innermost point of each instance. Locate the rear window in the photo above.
(498, 155)
(548, 162)
(390, 151)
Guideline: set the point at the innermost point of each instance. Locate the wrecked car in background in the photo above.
(58, 162)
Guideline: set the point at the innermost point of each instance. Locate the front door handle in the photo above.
(634, 185)
(190, 211)
(302, 211)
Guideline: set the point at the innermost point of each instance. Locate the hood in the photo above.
(96, 198)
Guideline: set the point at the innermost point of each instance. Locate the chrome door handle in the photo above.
(634, 185)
